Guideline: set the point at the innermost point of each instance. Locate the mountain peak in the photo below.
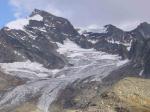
(143, 30)
(144, 25)
(111, 28)
(41, 13)
(19, 24)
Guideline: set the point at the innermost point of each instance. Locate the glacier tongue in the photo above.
(28, 69)
(46, 83)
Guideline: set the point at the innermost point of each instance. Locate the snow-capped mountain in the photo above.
(128, 44)
(45, 53)
(34, 39)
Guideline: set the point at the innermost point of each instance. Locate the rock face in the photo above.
(140, 50)
(111, 40)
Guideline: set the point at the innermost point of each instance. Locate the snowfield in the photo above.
(47, 83)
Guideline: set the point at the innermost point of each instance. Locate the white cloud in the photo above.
(129, 25)
(85, 12)
(27, 6)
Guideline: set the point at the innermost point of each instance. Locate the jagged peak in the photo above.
(50, 16)
(112, 28)
(109, 26)
(37, 15)
(37, 11)
(143, 25)
(41, 13)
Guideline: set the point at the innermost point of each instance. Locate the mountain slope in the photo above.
(140, 49)
(112, 40)
(33, 39)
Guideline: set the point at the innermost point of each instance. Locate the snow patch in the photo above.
(20, 23)
(36, 17)
(93, 41)
(68, 46)
(92, 28)
(141, 73)
(127, 44)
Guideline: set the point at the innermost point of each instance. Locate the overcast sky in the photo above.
(123, 13)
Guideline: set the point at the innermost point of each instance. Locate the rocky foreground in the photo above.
(128, 95)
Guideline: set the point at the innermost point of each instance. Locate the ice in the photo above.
(27, 69)
(109, 56)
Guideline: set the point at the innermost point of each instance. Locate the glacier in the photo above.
(46, 83)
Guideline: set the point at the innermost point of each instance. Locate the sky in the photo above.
(125, 14)
(6, 12)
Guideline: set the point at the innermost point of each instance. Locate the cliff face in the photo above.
(140, 50)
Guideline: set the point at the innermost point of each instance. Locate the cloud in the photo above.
(122, 13)
(129, 25)
(22, 7)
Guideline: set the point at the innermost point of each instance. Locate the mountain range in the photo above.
(45, 60)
